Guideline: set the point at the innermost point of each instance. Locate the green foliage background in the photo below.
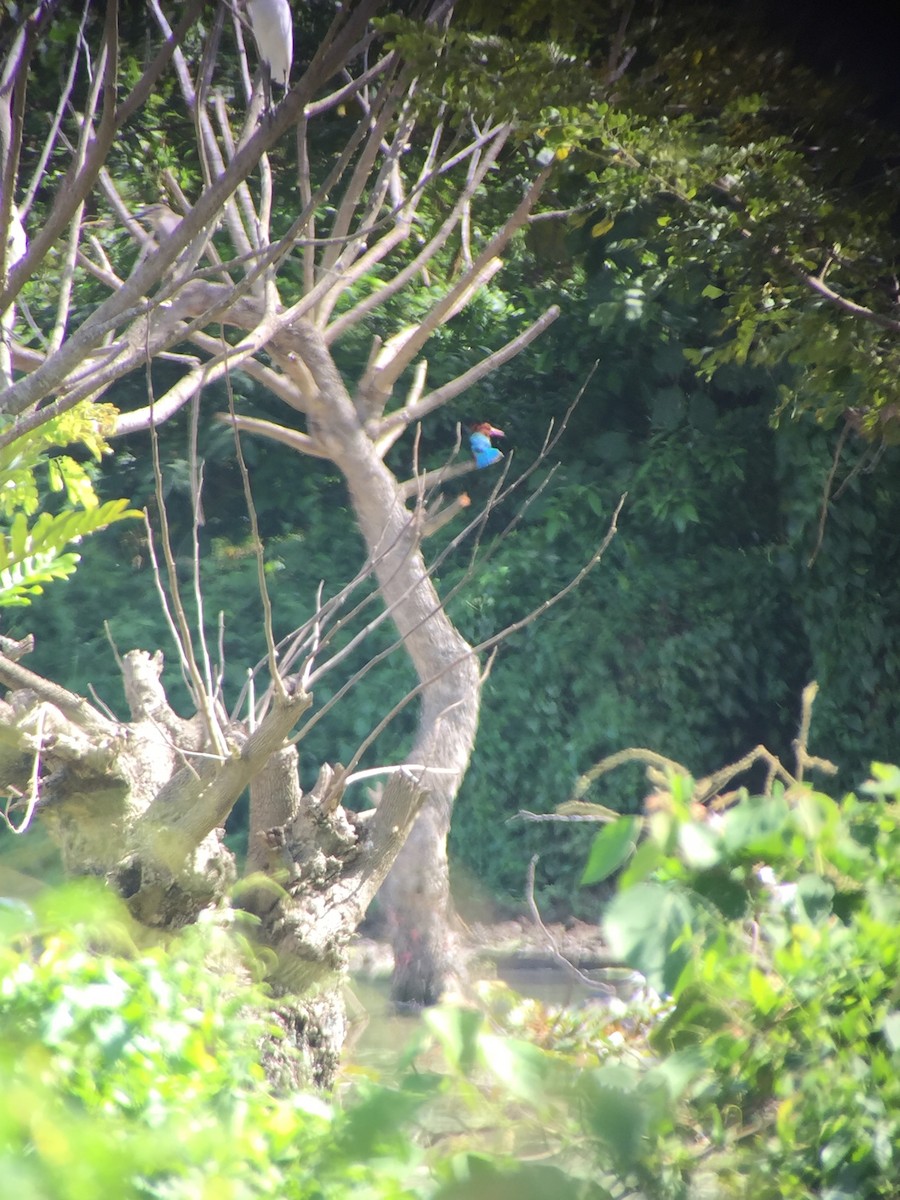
(715, 604)
(697, 632)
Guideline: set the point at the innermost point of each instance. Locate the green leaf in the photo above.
(647, 858)
(457, 1030)
(376, 1123)
(648, 926)
(700, 847)
(525, 1069)
(762, 992)
(679, 1069)
(616, 1111)
(756, 827)
(612, 846)
(477, 1175)
(885, 780)
(32, 557)
(815, 896)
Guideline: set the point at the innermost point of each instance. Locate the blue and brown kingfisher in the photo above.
(480, 440)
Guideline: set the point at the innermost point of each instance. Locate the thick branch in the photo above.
(821, 288)
(294, 438)
(80, 181)
(75, 708)
(50, 376)
(390, 288)
(196, 802)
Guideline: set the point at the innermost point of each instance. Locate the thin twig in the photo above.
(196, 485)
(826, 493)
(596, 985)
(276, 681)
(176, 616)
(34, 782)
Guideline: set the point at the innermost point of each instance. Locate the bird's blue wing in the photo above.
(485, 453)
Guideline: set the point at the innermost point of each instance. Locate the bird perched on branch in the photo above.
(162, 223)
(480, 440)
(16, 240)
(273, 32)
(161, 219)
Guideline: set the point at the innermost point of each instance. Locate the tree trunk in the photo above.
(417, 896)
(419, 912)
(140, 804)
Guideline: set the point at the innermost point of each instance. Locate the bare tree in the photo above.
(142, 802)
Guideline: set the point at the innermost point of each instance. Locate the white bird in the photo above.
(16, 239)
(16, 249)
(273, 32)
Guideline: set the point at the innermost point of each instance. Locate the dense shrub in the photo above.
(130, 1071)
(761, 1063)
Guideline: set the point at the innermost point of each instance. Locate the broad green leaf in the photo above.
(700, 846)
(615, 1110)
(611, 847)
(525, 1069)
(756, 826)
(648, 927)
(647, 858)
(377, 1122)
(679, 1069)
(815, 896)
(885, 780)
(762, 992)
(481, 1177)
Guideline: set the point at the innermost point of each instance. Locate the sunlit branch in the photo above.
(176, 616)
(389, 98)
(66, 277)
(196, 485)
(49, 376)
(77, 185)
(304, 185)
(294, 438)
(274, 674)
(595, 985)
(214, 163)
(401, 278)
(37, 175)
(387, 377)
(13, 83)
(335, 99)
(477, 525)
(496, 638)
(449, 391)
(75, 708)
(274, 381)
(311, 633)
